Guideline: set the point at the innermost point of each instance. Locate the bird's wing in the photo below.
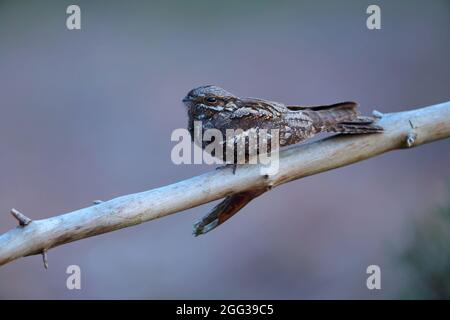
(346, 104)
(259, 108)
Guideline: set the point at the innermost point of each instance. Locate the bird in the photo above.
(216, 108)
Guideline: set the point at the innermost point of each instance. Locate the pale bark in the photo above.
(402, 130)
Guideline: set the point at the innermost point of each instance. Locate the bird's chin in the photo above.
(187, 103)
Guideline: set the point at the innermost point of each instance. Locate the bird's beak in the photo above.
(186, 99)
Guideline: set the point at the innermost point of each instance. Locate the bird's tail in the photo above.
(341, 117)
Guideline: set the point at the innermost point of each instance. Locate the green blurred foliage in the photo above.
(427, 257)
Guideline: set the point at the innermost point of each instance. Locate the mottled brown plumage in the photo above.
(219, 109)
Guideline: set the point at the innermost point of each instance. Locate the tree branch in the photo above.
(402, 130)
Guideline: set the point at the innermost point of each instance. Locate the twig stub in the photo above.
(45, 258)
(377, 114)
(23, 219)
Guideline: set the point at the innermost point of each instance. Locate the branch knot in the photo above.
(411, 139)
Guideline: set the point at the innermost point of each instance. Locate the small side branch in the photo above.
(23, 219)
(45, 258)
(225, 210)
(401, 130)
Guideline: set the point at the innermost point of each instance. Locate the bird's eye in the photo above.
(211, 99)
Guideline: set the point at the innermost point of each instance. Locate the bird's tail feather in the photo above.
(341, 117)
(355, 127)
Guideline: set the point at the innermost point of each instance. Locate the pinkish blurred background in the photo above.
(88, 115)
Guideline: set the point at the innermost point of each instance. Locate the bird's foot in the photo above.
(228, 165)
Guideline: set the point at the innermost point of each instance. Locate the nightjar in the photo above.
(219, 109)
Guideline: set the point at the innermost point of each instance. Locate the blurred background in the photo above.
(88, 115)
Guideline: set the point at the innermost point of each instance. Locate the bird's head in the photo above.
(211, 97)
